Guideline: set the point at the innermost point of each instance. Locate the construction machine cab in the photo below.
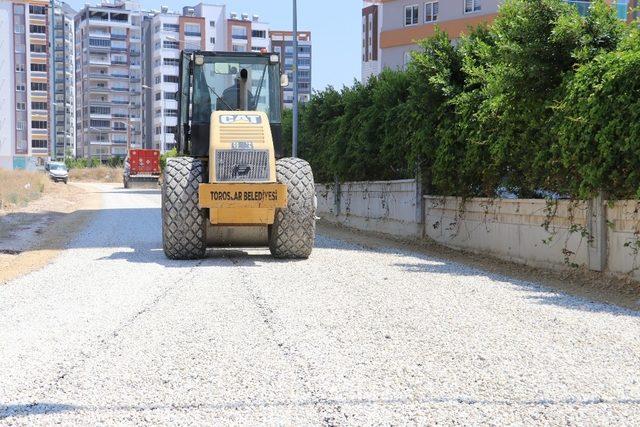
(226, 81)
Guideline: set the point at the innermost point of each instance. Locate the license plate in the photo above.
(226, 195)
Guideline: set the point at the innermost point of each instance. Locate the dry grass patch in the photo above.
(99, 174)
(17, 188)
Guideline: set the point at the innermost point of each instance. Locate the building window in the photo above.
(99, 123)
(157, 80)
(212, 40)
(167, 44)
(431, 11)
(239, 48)
(411, 15)
(100, 110)
(38, 67)
(39, 124)
(20, 125)
(239, 33)
(172, 62)
(171, 113)
(37, 29)
(192, 30)
(37, 10)
(171, 129)
(212, 24)
(38, 86)
(174, 28)
(39, 48)
(170, 96)
(20, 68)
(262, 34)
(39, 143)
(471, 6)
(158, 130)
(21, 106)
(158, 96)
(170, 79)
(99, 42)
(38, 105)
(18, 29)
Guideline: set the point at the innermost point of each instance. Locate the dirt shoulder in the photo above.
(591, 285)
(32, 235)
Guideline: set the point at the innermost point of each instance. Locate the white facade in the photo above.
(63, 132)
(215, 25)
(7, 109)
(24, 84)
(109, 79)
(260, 35)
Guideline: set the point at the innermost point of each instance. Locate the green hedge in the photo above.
(543, 100)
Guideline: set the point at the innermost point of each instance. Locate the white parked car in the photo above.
(58, 172)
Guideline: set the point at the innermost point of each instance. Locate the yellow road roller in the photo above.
(230, 185)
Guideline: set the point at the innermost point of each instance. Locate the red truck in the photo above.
(141, 166)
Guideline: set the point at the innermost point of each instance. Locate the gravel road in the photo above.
(113, 332)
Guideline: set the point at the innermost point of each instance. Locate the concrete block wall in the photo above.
(594, 234)
(390, 207)
(512, 229)
(623, 234)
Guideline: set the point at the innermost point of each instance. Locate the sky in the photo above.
(334, 24)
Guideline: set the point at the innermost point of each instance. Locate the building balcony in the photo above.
(119, 63)
(118, 37)
(98, 33)
(120, 89)
(100, 89)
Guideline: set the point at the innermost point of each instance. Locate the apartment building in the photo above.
(108, 79)
(24, 83)
(166, 33)
(245, 34)
(371, 52)
(282, 43)
(63, 130)
(392, 28)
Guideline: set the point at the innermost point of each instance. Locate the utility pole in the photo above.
(295, 79)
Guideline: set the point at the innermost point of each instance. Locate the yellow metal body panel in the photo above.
(241, 203)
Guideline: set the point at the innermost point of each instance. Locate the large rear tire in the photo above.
(183, 223)
(294, 230)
